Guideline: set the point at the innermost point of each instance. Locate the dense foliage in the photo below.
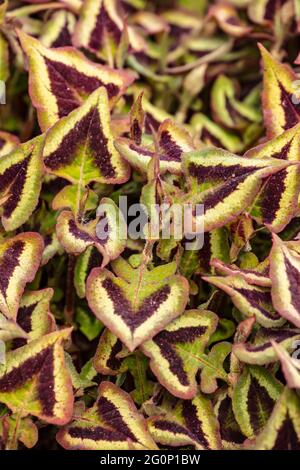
(124, 343)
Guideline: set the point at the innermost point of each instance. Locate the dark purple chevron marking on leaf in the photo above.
(2, 142)
(112, 417)
(171, 151)
(229, 428)
(294, 280)
(257, 299)
(136, 131)
(167, 340)
(21, 374)
(97, 433)
(287, 438)
(276, 335)
(123, 308)
(46, 390)
(8, 263)
(24, 316)
(103, 24)
(77, 233)
(89, 127)
(113, 362)
(64, 77)
(95, 260)
(151, 123)
(258, 400)
(290, 109)
(189, 411)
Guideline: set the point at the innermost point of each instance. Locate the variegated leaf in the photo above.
(80, 146)
(277, 202)
(173, 142)
(282, 431)
(59, 29)
(20, 183)
(260, 351)
(34, 315)
(192, 422)
(230, 431)
(173, 350)
(249, 299)
(285, 276)
(8, 142)
(226, 184)
(254, 397)
(34, 380)
(89, 259)
(281, 111)
(290, 366)
(113, 423)
(20, 258)
(61, 79)
(106, 360)
(137, 303)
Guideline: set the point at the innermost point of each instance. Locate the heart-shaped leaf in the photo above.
(113, 423)
(80, 146)
(138, 303)
(225, 184)
(61, 79)
(172, 351)
(34, 380)
(192, 422)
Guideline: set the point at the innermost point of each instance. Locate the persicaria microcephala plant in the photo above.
(150, 248)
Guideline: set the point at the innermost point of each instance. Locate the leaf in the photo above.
(60, 80)
(20, 183)
(231, 434)
(260, 351)
(68, 198)
(229, 21)
(215, 245)
(100, 28)
(80, 147)
(192, 422)
(113, 423)
(281, 111)
(20, 258)
(249, 299)
(8, 142)
(285, 276)
(14, 429)
(289, 365)
(254, 397)
(137, 303)
(172, 351)
(173, 142)
(282, 431)
(258, 276)
(277, 203)
(225, 184)
(107, 232)
(88, 324)
(34, 380)
(106, 360)
(213, 367)
(89, 259)
(58, 30)
(34, 315)
(226, 107)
